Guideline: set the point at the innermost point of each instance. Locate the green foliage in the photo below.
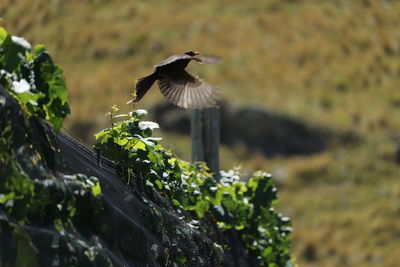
(228, 202)
(31, 194)
(33, 79)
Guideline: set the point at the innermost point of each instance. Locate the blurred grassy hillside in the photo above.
(334, 63)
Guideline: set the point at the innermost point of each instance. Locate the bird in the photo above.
(179, 86)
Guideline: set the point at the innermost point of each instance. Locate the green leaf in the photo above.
(240, 227)
(39, 48)
(201, 208)
(5, 198)
(3, 35)
(158, 184)
(96, 190)
(49, 80)
(101, 133)
(9, 56)
(176, 202)
(140, 145)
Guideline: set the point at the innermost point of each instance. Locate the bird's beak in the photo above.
(196, 53)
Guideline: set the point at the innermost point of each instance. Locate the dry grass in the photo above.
(335, 63)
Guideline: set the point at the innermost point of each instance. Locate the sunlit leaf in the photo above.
(3, 35)
(96, 190)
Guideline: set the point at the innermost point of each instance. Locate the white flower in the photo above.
(21, 86)
(141, 112)
(144, 125)
(285, 219)
(22, 42)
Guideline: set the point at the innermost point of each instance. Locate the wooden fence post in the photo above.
(205, 132)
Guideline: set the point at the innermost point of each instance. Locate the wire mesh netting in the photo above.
(57, 220)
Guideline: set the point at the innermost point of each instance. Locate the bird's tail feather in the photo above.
(143, 85)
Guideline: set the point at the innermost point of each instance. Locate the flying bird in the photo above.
(177, 85)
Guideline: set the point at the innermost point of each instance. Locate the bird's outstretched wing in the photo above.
(172, 59)
(207, 59)
(187, 91)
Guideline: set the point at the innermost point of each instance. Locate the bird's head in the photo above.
(191, 53)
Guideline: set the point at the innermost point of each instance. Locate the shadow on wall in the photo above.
(259, 130)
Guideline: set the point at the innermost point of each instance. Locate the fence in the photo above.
(205, 134)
